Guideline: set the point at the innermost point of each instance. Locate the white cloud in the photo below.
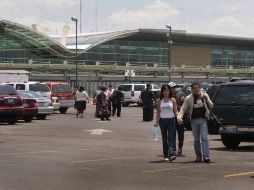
(232, 8)
(227, 22)
(53, 27)
(156, 14)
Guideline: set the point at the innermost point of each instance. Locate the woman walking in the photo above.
(81, 97)
(166, 111)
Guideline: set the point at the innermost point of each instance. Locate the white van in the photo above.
(132, 93)
(32, 86)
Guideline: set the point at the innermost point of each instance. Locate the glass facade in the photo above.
(17, 50)
(132, 52)
(226, 57)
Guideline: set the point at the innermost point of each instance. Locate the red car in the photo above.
(11, 105)
(30, 107)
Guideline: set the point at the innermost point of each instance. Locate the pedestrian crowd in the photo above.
(170, 116)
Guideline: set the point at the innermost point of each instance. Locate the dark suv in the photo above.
(234, 106)
(11, 106)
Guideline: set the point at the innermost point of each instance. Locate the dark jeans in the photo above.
(167, 127)
(148, 113)
(180, 133)
(118, 107)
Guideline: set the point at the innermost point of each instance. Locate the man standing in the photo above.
(197, 105)
(116, 99)
(147, 98)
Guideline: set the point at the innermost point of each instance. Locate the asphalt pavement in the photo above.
(68, 153)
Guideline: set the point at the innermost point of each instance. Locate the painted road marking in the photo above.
(172, 169)
(99, 131)
(108, 159)
(239, 174)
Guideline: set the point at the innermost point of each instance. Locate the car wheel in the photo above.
(125, 104)
(230, 141)
(41, 117)
(28, 119)
(140, 104)
(63, 110)
(11, 120)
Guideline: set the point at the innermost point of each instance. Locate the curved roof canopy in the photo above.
(32, 38)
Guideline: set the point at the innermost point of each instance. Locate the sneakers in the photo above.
(207, 159)
(198, 160)
(180, 152)
(166, 159)
(172, 158)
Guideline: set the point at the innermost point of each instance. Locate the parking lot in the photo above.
(69, 153)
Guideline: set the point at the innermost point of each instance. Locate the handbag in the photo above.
(213, 123)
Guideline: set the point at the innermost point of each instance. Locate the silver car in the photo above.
(44, 105)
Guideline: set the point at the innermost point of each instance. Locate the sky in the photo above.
(222, 17)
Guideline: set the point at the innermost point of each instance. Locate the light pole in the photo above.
(76, 22)
(170, 42)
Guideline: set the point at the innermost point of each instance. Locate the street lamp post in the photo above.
(170, 42)
(76, 22)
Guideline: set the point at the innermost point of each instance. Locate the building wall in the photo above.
(191, 56)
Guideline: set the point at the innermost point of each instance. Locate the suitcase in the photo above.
(104, 113)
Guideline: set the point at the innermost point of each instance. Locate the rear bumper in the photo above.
(132, 101)
(12, 112)
(56, 106)
(30, 111)
(45, 110)
(66, 103)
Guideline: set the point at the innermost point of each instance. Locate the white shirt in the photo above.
(166, 109)
(81, 96)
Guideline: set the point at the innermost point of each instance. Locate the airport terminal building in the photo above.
(21, 44)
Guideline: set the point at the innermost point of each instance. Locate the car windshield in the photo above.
(139, 87)
(126, 88)
(35, 94)
(61, 88)
(7, 90)
(39, 87)
(240, 95)
(25, 95)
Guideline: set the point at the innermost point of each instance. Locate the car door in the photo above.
(234, 104)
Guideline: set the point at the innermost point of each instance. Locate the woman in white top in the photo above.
(80, 101)
(166, 112)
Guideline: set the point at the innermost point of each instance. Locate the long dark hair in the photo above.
(164, 88)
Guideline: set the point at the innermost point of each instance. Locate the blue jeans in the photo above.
(167, 127)
(180, 134)
(200, 133)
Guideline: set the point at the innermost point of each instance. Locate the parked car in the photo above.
(32, 86)
(11, 106)
(30, 107)
(64, 93)
(234, 106)
(132, 93)
(44, 105)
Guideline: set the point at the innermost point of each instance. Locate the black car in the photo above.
(234, 106)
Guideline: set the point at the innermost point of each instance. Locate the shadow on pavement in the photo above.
(238, 149)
